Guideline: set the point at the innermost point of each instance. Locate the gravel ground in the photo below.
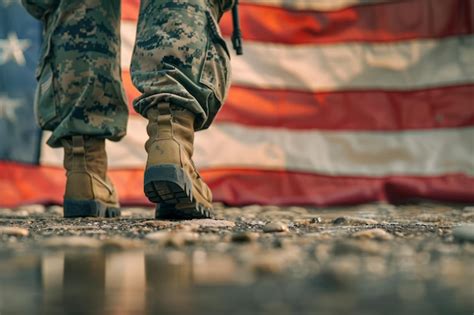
(369, 259)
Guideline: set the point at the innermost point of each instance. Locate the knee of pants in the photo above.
(39, 8)
(183, 41)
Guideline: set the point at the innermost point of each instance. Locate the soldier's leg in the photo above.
(181, 65)
(79, 78)
(80, 97)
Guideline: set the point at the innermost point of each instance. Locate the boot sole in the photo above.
(187, 212)
(170, 187)
(88, 208)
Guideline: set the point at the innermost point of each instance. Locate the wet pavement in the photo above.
(369, 259)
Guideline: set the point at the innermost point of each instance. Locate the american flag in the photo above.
(333, 102)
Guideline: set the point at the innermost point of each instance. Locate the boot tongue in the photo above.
(85, 153)
(96, 157)
(185, 135)
(183, 127)
(73, 153)
(168, 120)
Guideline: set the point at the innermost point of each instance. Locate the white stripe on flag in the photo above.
(423, 153)
(404, 65)
(128, 30)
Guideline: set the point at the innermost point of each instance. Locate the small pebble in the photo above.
(210, 223)
(5, 212)
(376, 234)
(55, 210)
(275, 227)
(468, 216)
(353, 221)
(31, 209)
(188, 226)
(161, 224)
(315, 220)
(429, 217)
(13, 231)
(464, 233)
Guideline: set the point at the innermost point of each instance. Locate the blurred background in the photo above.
(343, 106)
(332, 103)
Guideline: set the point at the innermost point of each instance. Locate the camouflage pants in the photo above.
(179, 57)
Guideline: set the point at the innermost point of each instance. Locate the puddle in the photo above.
(119, 282)
(195, 282)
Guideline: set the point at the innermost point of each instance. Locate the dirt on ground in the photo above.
(416, 258)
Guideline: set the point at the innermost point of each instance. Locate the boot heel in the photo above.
(167, 183)
(88, 208)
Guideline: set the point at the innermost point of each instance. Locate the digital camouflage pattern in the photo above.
(79, 90)
(179, 57)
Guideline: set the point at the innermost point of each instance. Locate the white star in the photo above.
(8, 107)
(13, 48)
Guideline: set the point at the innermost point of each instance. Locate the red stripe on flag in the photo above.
(24, 184)
(239, 187)
(360, 110)
(400, 20)
(130, 9)
(445, 107)
(130, 90)
(380, 22)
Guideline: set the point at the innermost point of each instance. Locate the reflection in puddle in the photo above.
(197, 282)
(119, 282)
(125, 281)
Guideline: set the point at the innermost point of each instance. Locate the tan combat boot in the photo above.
(89, 192)
(171, 179)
